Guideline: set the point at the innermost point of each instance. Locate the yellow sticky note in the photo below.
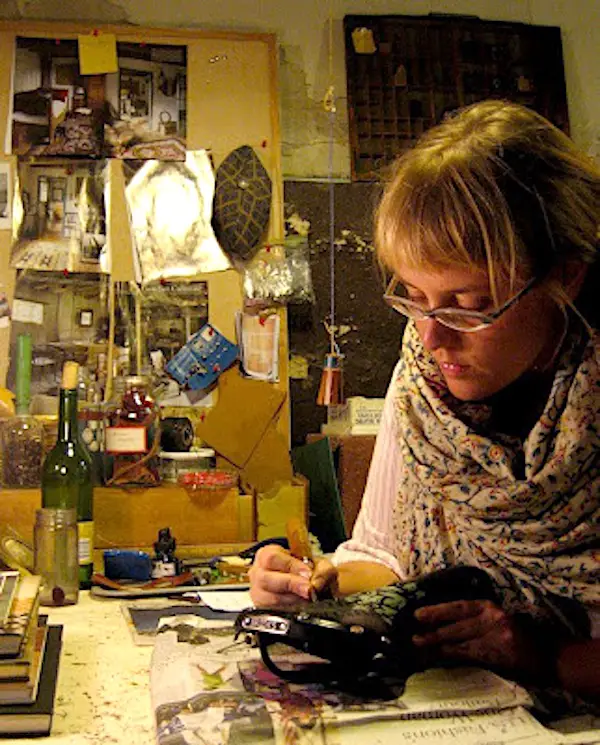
(363, 41)
(97, 54)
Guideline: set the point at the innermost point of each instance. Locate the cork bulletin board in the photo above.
(228, 99)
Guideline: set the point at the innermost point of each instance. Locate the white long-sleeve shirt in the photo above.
(372, 539)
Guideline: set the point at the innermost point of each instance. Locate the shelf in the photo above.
(448, 62)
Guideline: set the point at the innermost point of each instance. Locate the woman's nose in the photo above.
(434, 334)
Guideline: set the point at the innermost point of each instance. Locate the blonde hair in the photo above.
(496, 187)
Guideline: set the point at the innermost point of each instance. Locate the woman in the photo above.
(488, 450)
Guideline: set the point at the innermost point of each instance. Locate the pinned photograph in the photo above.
(56, 110)
(59, 215)
(5, 197)
(147, 103)
(4, 309)
(258, 339)
(138, 112)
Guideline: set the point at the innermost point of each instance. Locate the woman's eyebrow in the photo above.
(452, 290)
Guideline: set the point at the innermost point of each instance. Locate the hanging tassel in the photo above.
(331, 388)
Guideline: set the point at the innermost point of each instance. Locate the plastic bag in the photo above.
(281, 274)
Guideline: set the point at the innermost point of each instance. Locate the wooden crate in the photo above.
(132, 517)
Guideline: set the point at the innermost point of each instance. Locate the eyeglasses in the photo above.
(466, 321)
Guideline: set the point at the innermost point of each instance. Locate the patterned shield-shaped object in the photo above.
(242, 203)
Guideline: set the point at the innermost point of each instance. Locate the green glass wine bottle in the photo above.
(67, 473)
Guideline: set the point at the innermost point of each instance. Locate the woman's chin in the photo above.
(469, 390)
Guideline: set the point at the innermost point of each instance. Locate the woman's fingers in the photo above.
(458, 621)
(276, 559)
(277, 578)
(453, 611)
(475, 631)
(499, 647)
(324, 577)
(278, 589)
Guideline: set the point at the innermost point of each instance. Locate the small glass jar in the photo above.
(132, 436)
(55, 544)
(21, 439)
(172, 465)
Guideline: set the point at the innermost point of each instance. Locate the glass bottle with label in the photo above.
(132, 435)
(67, 473)
(22, 435)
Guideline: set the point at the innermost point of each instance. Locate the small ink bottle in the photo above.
(165, 564)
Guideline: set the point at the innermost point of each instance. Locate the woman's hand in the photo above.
(278, 579)
(478, 631)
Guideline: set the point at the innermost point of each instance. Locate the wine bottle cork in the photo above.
(70, 375)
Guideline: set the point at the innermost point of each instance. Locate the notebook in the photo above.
(15, 691)
(36, 718)
(25, 601)
(8, 586)
(19, 667)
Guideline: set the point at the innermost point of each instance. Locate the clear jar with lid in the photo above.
(21, 440)
(173, 464)
(55, 549)
(21, 436)
(132, 435)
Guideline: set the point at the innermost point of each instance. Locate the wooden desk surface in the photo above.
(103, 694)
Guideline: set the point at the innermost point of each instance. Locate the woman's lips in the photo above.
(453, 368)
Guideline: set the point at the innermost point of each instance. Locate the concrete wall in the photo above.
(309, 63)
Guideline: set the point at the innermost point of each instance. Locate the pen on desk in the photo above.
(300, 548)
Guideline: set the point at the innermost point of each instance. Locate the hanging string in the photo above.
(331, 239)
(329, 106)
(331, 391)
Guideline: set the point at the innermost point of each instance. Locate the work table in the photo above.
(103, 693)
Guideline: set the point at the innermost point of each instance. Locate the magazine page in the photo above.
(208, 687)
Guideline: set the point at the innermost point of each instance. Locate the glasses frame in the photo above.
(413, 310)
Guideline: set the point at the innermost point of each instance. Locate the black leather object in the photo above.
(363, 636)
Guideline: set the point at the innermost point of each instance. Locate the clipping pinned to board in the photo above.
(202, 359)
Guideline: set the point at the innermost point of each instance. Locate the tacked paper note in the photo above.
(97, 54)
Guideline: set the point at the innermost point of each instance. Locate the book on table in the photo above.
(8, 585)
(18, 619)
(23, 691)
(35, 718)
(18, 668)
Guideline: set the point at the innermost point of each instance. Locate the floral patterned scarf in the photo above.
(461, 499)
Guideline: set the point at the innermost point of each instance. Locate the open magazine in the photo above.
(209, 688)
